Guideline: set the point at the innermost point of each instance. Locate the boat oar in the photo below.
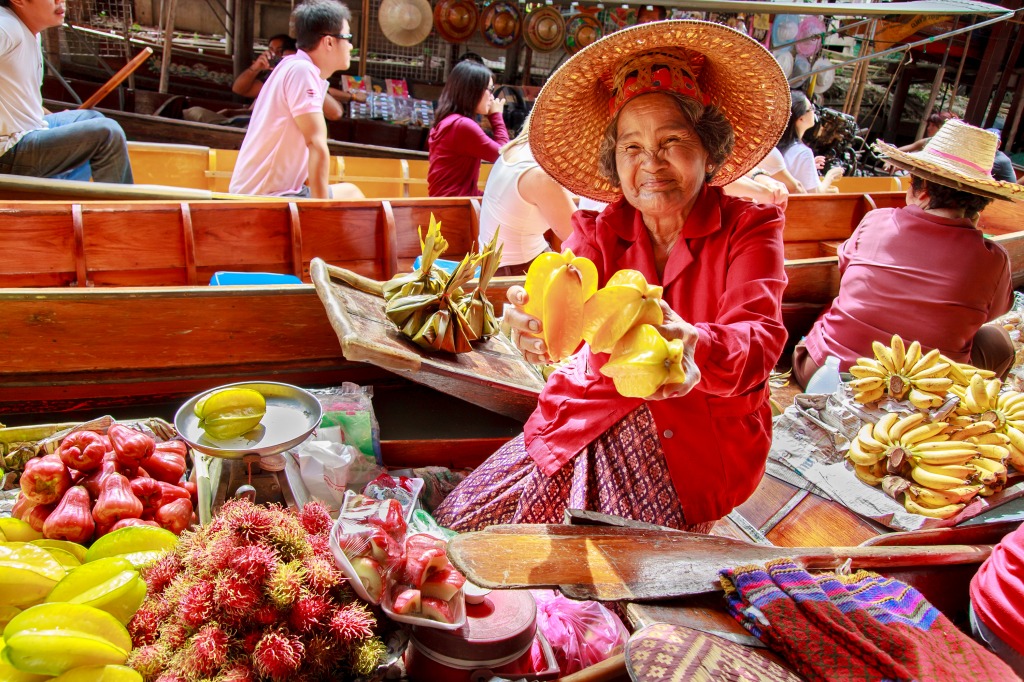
(116, 79)
(611, 564)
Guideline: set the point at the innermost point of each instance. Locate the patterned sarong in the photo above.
(623, 473)
(857, 627)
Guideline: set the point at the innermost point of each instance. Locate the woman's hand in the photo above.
(496, 106)
(819, 162)
(675, 327)
(524, 328)
(777, 193)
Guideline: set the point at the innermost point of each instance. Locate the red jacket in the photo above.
(997, 591)
(725, 275)
(457, 146)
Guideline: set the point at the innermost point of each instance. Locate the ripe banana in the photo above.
(956, 373)
(866, 368)
(904, 425)
(861, 457)
(975, 429)
(882, 426)
(927, 361)
(923, 400)
(940, 498)
(865, 397)
(937, 385)
(922, 433)
(945, 457)
(945, 512)
(871, 474)
(868, 441)
(941, 477)
(995, 453)
(990, 439)
(898, 352)
(912, 356)
(867, 384)
(935, 371)
(990, 465)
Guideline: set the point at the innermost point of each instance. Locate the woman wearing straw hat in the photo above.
(457, 143)
(924, 271)
(654, 119)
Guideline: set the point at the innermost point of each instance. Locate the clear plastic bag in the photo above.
(348, 418)
(581, 633)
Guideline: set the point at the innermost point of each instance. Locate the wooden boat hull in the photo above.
(107, 300)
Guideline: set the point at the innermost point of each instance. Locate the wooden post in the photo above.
(165, 64)
(1004, 80)
(1013, 116)
(940, 75)
(992, 61)
(364, 38)
(243, 37)
(229, 29)
(527, 66)
(899, 99)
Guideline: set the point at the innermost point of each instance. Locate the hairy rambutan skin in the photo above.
(321, 545)
(247, 521)
(149, 661)
(266, 615)
(322, 575)
(352, 622)
(204, 654)
(170, 677)
(253, 562)
(173, 634)
(367, 655)
(278, 655)
(145, 623)
(237, 672)
(197, 605)
(309, 613)
(235, 595)
(315, 518)
(285, 585)
(159, 575)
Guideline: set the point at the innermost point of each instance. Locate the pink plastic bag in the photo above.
(581, 633)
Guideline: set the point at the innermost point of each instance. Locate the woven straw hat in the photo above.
(959, 156)
(456, 20)
(501, 23)
(732, 71)
(405, 22)
(545, 29)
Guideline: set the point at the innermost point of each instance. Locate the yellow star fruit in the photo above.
(625, 301)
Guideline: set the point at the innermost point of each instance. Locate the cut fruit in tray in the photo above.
(443, 584)
(407, 600)
(435, 609)
(370, 576)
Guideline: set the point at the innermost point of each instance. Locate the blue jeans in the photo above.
(73, 139)
(991, 640)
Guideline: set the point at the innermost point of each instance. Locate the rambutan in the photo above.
(173, 633)
(144, 624)
(315, 518)
(205, 653)
(250, 640)
(266, 615)
(246, 520)
(322, 574)
(196, 606)
(309, 613)
(278, 655)
(290, 540)
(285, 584)
(160, 574)
(170, 677)
(236, 672)
(352, 622)
(235, 595)
(321, 656)
(321, 546)
(149, 660)
(367, 655)
(253, 562)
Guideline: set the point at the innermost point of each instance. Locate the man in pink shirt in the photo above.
(924, 271)
(285, 146)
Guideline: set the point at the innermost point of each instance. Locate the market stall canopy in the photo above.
(405, 22)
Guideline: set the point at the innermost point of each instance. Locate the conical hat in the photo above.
(581, 30)
(501, 23)
(545, 29)
(959, 156)
(456, 20)
(405, 22)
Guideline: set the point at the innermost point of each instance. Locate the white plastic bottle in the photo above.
(826, 380)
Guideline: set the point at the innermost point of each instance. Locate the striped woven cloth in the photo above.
(854, 627)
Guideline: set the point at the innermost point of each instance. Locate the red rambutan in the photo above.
(250, 640)
(315, 518)
(149, 661)
(173, 634)
(352, 622)
(253, 562)
(170, 677)
(237, 672)
(144, 624)
(236, 595)
(309, 613)
(278, 656)
(322, 574)
(246, 520)
(160, 574)
(321, 545)
(285, 584)
(266, 614)
(205, 653)
(196, 607)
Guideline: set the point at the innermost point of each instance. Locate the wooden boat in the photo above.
(106, 302)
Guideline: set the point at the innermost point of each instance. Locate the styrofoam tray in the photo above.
(346, 566)
(458, 604)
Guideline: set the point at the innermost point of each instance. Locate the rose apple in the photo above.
(407, 600)
(369, 572)
(420, 562)
(435, 609)
(443, 583)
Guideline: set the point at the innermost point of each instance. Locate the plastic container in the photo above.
(226, 278)
(826, 380)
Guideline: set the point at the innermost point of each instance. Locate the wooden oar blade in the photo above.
(608, 564)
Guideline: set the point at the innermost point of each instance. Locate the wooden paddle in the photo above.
(116, 79)
(612, 564)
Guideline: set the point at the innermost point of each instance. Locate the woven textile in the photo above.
(622, 473)
(857, 627)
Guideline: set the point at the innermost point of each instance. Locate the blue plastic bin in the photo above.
(446, 265)
(227, 278)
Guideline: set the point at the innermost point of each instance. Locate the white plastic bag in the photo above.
(327, 469)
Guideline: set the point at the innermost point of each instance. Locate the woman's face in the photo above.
(659, 158)
(806, 121)
(485, 99)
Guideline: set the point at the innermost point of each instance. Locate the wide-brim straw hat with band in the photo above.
(959, 156)
(456, 20)
(710, 62)
(405, 22)
(545, 29)
(501, 23)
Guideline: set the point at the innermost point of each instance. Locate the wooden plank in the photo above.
(772, 495)
(818, 523)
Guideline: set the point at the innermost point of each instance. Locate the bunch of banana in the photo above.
(901, 372)
(961, 373)
(983, 399)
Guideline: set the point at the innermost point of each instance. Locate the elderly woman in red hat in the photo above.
(655, 119)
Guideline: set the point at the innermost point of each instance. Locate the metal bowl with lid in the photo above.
(292, 414)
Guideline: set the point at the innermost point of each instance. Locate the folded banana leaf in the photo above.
(477, 310)
(445, 327)
(428, 278)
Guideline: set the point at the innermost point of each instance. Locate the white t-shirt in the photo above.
(21, 76)
(274, 159)
(773, 163)
(800, 162)
(522, 226)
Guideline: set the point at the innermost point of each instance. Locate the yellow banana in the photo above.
(942, 446)
(868, 441)
(941, 477)
(923, 400)
(1011, 403)
(944, 457)
(929, 359)
(940, 498)
(882, 426)
(975, 429)
(903, 425)
(938, 385)
(990, 439)
(884, 356)
(922, 432)
(992, 388)
(867, 367)
(997, 453)
(946, 512)
(898, 352)
(975, 398)
(936, 371)
(955, 372)
(1016, 438)
(858, 455)
(997, 468)
(866, 384)
(865, 397)
(959, 420)
(986, 491)
(912, 356)
(868, 474)
(986, 477)
(985, 373)
(1016, 423)
(1016, 458)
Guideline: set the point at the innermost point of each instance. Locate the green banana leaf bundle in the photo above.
(477, 310)
(428, 278)
(435, 321)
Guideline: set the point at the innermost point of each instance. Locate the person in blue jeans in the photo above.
(68, 144)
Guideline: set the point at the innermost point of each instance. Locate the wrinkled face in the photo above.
(485, 99)
(659, 158)
(38, 15)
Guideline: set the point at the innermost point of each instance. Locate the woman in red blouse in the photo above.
(645, 120)
(457, 143)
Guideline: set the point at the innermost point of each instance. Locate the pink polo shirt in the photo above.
(905, 271)
(725, 275)
(997, 590)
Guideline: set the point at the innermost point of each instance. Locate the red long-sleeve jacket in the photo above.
(457, 147)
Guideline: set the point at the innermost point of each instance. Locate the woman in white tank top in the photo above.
(522, 202)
